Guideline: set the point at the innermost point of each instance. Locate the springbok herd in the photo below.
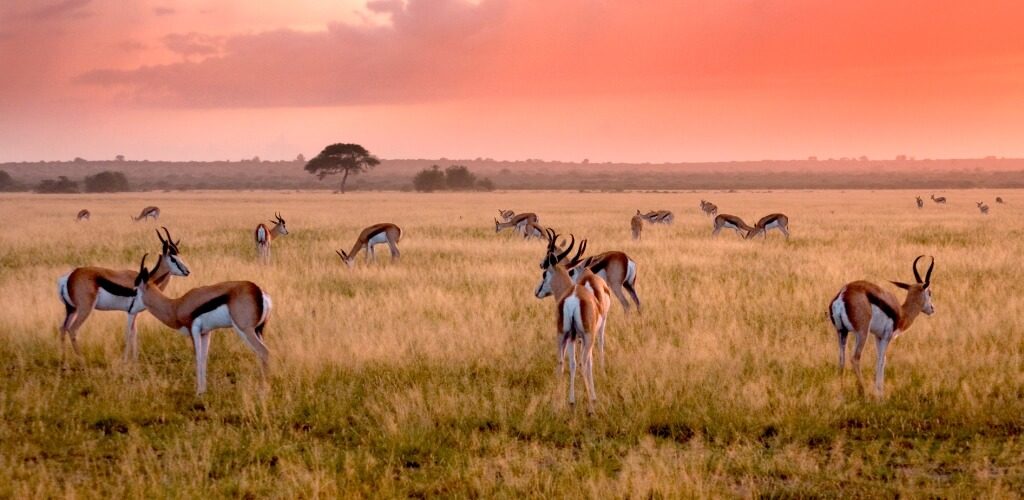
(582, 287)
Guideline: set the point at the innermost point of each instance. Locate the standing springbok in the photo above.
(726, 221)
(264, 236)
(636, 225)
(659, 217)
(240, 305)
(940, 200)
(983, 207)
(370, 237)
(999, 199)
(709, 209)
(532, 230)
(920, 202)
(580, 319)
(517, 222)
(83, 214)
(862, 307)
(769, 222)
(616, 268)
(95, 288)
(148, 212)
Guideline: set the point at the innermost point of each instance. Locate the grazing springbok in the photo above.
(370, 237)
(863, 307)
(999, 199)
(709, 209)
(147, 213)
(580, 318)
(240, 305)
(983, 207)
(920, 202)
(506, 215)
(940, 200)
(769, 222)
(659, 217)
(727, 221)
(83, 214)
(532, 230)
(517, 222)
(616, 268)
(264, 236)
(636, 225)
(95, 288)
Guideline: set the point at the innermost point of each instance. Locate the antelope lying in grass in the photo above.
(83, 214)
(581, 307)
(709, 209)
(940, 200)
(769, 222)
(920, 202)
(636, 225)
(265, 236)
(95, 288)
(726, 221)
(862, 307)
(377, 234)
(659, 217)
(983, 207)
(240, 305)
(147, 213)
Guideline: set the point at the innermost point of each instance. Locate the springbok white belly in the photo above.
(772, 225)
(106, 301)
(378, 239)
(217, 318)
(881, 324)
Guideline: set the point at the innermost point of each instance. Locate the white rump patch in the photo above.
(840, 320)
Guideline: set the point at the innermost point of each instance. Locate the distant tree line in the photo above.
(103, 182)
(453, 178)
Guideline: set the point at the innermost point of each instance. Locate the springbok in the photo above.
(983, 207)
(659, 217)
(517, 222)
(636, 225)
(240, 305)
(726, 221)
(370, 237)
(862, 307)
(95, 288)
(532, 230)
(616, 268)
(580, 316)
(769, 222)
(709, 209)
(264, 236)
(506, 215)
(148, 212)
(940, 200)
(999, 199)
(920, 202)
(83, 214)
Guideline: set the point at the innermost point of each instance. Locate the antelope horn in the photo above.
(158, 235)
(928, 274)
(917, 276)
(568, 249)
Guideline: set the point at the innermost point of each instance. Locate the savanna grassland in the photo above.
(436, 376)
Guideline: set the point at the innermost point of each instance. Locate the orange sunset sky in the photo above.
(645, 80)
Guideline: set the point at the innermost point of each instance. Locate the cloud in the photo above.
(164, 11)
(193, 44)
(61, 9)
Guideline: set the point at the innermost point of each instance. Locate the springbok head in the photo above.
(551, 261)
(278, 223)
(919, 294)
(170, 254)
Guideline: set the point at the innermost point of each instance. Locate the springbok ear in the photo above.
(900, 284)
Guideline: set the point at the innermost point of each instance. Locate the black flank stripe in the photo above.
(211, 305)
(114, 289)
(884, 306)
(375, 233)
(599, 266)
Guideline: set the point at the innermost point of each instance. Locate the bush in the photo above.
(485, 184)
(7, 182)
(429, 180)
(453, 178)
(106, 182)
(459, 178)
(59, 185)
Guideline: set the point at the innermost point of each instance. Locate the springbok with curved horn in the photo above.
(580, 319)
(150, 212)
(614, 267)
(983, 207)
(659, 217)
(940, 200)
(726, 221)
(920, 202)
(370, 237)
(95, 288)
(769, 222)
(636, 225)
(517, 222)
(506, 215)
(709, 209)
(83, 214)
(240, 305)
(264, 236)
(862, 307)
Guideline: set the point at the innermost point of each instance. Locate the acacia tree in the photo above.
(345, 159)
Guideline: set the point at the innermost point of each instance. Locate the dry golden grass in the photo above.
(435, 376)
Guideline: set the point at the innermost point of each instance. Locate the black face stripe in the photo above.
(113, 288)
(884, 307)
